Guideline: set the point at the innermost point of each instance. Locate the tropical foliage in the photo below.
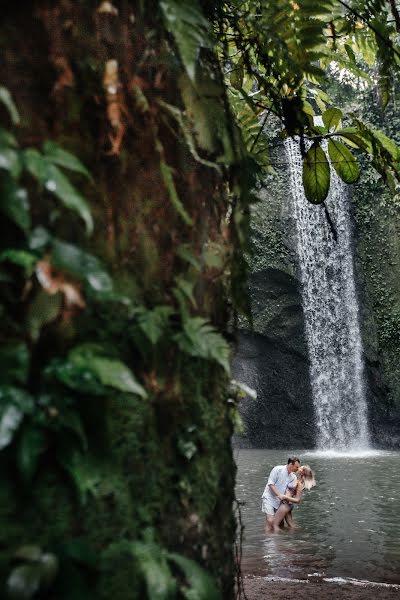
(280, 56)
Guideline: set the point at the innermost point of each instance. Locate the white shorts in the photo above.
(267, 507)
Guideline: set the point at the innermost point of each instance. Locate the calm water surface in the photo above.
(349, 524)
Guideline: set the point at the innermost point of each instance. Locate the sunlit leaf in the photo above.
(343, 162)
(332, 118)
(316, 174)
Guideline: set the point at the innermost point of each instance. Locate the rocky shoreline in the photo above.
(260, 588)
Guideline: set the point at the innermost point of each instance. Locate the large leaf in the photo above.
(76, 378)
(49, 175)
(343, 161)
(6, 99)
(190, 29)
(160, 583)
(14, 202)
(11, 419)
(332, 118)
(22, 258)
(82, 265)
(201, 585)
(10, 161)
(24, 581)
(200, 338)
(31, 445)
(43, 309)
(110, 372)
(58, 184)
(316, 174)
(62, 158)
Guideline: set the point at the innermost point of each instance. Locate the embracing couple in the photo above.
(284, 489)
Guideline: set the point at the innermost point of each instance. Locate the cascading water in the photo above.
(330, 312)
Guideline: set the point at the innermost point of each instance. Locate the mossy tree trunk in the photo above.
(105, 82)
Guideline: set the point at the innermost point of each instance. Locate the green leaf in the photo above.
(351, 136)
(154, 322)
(169, 183)
(199, 338)
(190, 29)
(17, 397)
(76, 378)
(61, 187)
(6, 99)
(43, 309)
(184, 252)
(39, 239)
(388, 144)
(236, 76)
(82, 473)
(14, 203)
(343, 161)
(332, 118)
(55, 182)
(160, 583)
(10, 161)
(316, 174)
(24, 582)
(110, 372)
(14, 363)
(62, 158)
(31, 445)
(81, 265)
(35, 164)
(23, 259)
(11, 419)
(115, 374)
(201, 585)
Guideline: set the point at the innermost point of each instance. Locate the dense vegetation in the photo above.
(130, 148)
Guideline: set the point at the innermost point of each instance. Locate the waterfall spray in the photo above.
(324, 252)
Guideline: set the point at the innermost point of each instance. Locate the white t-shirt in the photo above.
(280, 478)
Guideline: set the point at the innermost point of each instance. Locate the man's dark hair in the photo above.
(292, 460)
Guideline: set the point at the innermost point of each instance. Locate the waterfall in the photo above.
(330, 312)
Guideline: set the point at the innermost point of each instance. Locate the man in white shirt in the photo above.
(278, 480)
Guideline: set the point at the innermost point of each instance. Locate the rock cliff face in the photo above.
(271, 356)
(273, 361)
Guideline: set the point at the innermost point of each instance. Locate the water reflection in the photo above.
(348, 524)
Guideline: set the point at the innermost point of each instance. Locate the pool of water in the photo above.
(348, 525)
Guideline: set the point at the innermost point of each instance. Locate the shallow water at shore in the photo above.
(349, 524)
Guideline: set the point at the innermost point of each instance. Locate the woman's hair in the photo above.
(308, 477)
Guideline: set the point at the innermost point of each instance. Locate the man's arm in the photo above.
(275, 491)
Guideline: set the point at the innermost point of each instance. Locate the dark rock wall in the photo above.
(271, 356)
